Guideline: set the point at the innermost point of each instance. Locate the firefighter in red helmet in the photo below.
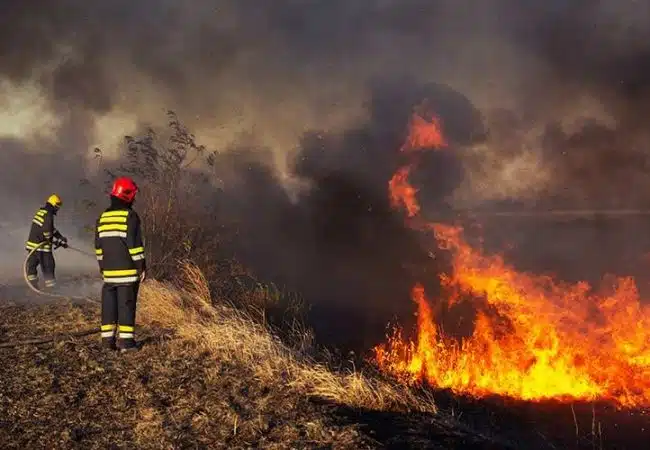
(119, 247)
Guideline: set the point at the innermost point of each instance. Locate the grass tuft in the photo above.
(234, 336)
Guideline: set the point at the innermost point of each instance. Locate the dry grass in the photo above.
(231, 335)
(174, 393)
(207, 376)
(213, 376)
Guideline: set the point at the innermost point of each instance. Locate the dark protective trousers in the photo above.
(118, 314)
(48, 266)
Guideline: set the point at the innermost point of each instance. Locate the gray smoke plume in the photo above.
(276, 70)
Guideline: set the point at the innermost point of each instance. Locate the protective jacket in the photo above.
(43, 229)
(119, 244)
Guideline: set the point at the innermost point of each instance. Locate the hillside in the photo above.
(206, 377)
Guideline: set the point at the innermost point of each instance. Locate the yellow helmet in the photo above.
(55, 201)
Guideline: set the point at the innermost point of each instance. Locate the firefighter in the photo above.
(44, 232)
(120, 253)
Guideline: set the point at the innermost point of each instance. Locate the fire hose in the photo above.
(45, 340)
(50, 294)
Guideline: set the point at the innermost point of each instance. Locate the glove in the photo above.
(61, 242)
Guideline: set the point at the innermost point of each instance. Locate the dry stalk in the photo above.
(575, 422)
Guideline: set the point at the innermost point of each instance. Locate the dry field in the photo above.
(207, 376)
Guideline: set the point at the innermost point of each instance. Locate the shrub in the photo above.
(179, 204)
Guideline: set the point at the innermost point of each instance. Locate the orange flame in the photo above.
(421, 135)
(402, 193)
(560, 341)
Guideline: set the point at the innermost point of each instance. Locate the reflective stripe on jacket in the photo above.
(119, 246)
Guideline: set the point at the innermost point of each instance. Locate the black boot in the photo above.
(109, 343)
(127, 345)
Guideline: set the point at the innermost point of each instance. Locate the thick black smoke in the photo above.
(600, 43)
(340, 243)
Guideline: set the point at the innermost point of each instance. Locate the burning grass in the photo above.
(554, 341)
(533, 338)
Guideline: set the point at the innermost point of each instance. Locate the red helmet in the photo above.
(125, 189)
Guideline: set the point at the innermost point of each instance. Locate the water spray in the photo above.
(78, 250)
(48, 339)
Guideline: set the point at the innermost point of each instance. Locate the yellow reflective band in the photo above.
(41, 212)
(112, 227)
(112, 220)
(136, 250)
(38, 220)
(99, 251)
(108, 327)
(36, 244)
(127, 329)
(120, 273)
(115, 213)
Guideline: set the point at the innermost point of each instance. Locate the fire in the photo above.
(402, 193)
(422, 135)
(533, 338)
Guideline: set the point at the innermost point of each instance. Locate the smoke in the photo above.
(275, 71)
(543, 103)
(31, 169)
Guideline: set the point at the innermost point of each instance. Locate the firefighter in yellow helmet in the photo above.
(44, 232)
